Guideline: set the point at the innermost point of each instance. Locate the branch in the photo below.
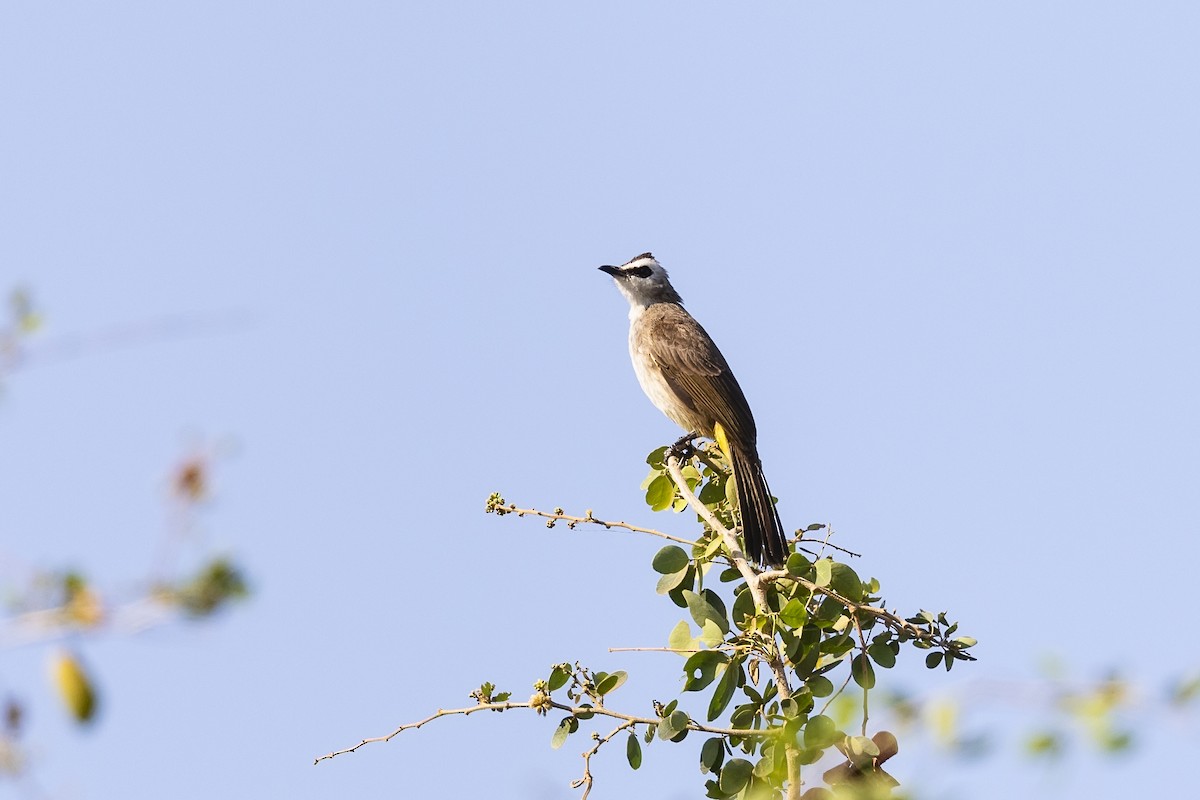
(586, 780)
(754, 585)
(540, 702)
(496, 506)
(888, 618)
(826, 543)
(721, 646)
(31, 627)
(710, 519)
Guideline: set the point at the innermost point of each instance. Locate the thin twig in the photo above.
(834, 696)
(826, 543)
(862, 640)
(586, 780)
(584, 711)
(722, 646)
(572, 521)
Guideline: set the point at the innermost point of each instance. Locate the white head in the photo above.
(643, 281)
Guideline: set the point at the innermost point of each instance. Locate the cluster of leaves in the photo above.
(769, 653)
(215, 585)
(781, 651)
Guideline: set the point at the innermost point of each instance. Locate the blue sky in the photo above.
(950, 250)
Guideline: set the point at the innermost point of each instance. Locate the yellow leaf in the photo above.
(74, 686)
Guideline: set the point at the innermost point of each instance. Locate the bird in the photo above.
(685, 376)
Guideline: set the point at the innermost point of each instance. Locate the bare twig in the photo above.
(119, 337)
(586, 780)
(862, 641)
(826, 543)
(557, 515)
(834, 696)
(50, 624)
(722, 646)
(542, 703)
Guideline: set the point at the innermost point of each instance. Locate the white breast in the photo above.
(651, 379)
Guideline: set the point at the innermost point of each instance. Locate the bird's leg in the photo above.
(682, 449)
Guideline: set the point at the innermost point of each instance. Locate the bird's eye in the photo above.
(639, 272)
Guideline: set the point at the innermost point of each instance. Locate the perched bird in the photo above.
(686, 377)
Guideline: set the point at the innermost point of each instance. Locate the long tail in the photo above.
(760, 519)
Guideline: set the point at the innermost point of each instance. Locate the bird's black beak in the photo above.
(611, 270)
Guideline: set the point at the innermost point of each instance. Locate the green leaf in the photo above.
(711, 634)
(731, 493)
(819, 685)
(803, 700)
(701, 669)
(712, 754)
(724, 691)
(715, 602)
(713, 547)
(863, 671)
(829, 611)
(845, 581)
(824, 569)
(660, 493)
(735, 775)
(769, 762)
(882, 654)
(668, 583)
(812, 756)
(688, 582)
(743, 610)
(658, 457)
(820, 732)
(612, 682)
(670, 559)
(743, 715)
(966, 641)
(681, 637)
(558, 677)
(794, 614)
(933, 659)
(713, 491)
(633, 751)
(790, 708)
(799, 565)
(565, 728)
(707, 607)
(674, 726)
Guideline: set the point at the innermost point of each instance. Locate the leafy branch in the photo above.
(775, 637)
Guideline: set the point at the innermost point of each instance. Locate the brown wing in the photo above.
(696, 371)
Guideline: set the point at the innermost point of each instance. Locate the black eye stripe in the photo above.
(640, 272)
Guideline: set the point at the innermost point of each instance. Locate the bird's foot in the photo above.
(683, 449)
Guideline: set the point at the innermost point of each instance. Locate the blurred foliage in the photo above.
(218, 583)
(74, 685)
(68, 604)
(19, 321)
